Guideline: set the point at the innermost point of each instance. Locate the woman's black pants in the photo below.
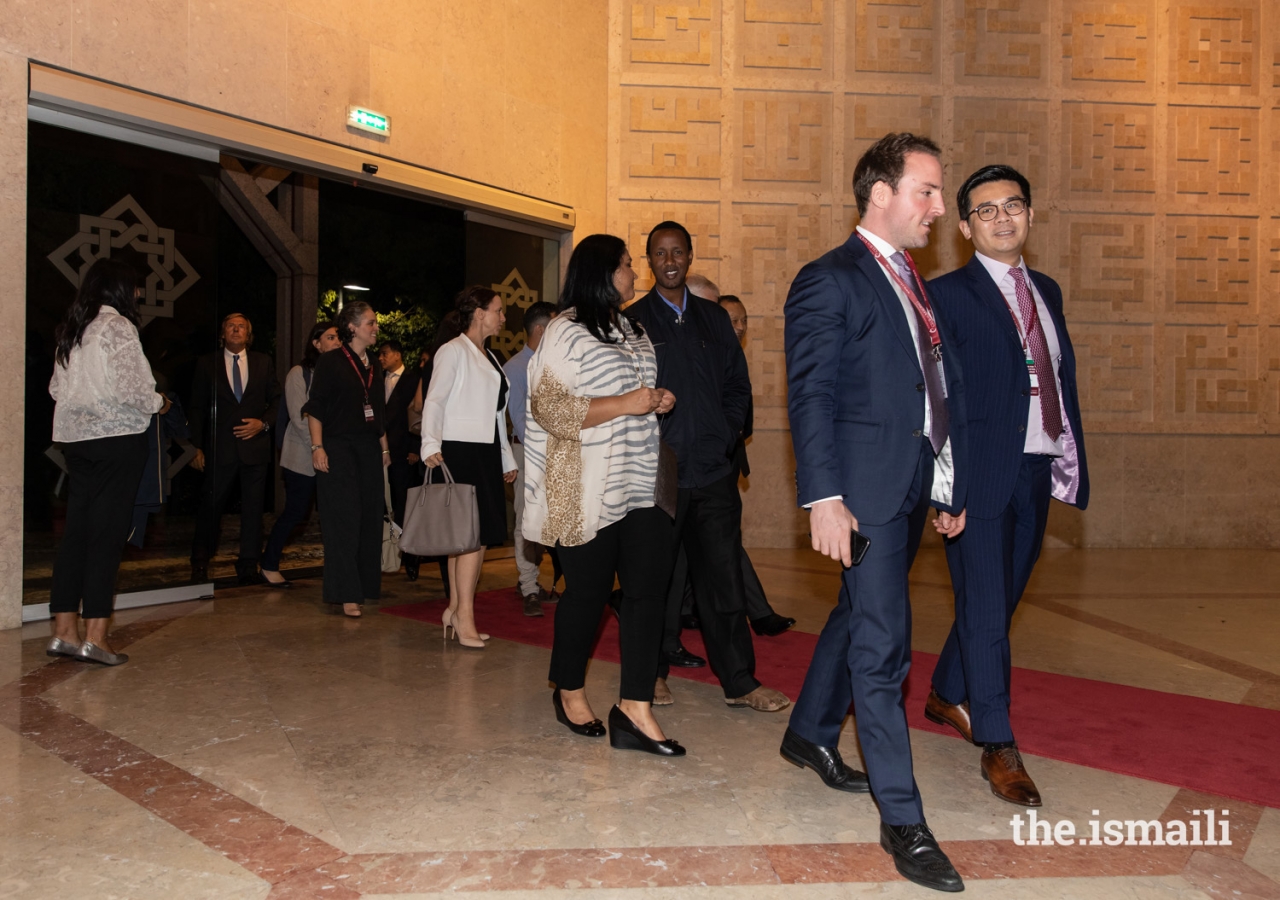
(298, 491)
(351, 506)
(638, 549)
(103, 476)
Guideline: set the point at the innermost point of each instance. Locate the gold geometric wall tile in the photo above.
(869, 117)
(1215, 153)
(679, 35)
(1108, 151)
(1001, 39)
(634, 219)
(1215, 44)
(894, 37)
(671, 133)
(1013, 132)
(1106, 264)
(775, 240)
(1107, 42)
(785, 36)
(1211, 375)
(784, 139)
(1213, 264)
(1115, 371)
(1271, 265)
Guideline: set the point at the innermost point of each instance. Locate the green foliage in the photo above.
(412, 325)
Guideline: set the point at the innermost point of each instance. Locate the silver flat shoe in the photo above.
(94, 653)
(59, 647)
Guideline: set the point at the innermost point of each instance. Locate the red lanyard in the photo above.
(363, 383)
(922, 308)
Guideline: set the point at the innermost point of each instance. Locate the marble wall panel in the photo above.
(868, 117)
(1001, 39)
(1108, 43)
(785, 37)
(38, 28)
(894, 37)
(13, 262)
(145, 45)
(1212, 373)
(1215, 154)
(1015, 132)
(253, 84)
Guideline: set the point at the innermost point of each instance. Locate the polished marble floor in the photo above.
(256, 746)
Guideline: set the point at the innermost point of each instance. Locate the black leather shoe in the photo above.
(683, 659)
(410, 566)
(594, 728)
(199, 573)
(624, 735)
(825, 761)
(771, 625)
(691, 621)
(918, 858)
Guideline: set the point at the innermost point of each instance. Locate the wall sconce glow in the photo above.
(368, 120)
(354, 287)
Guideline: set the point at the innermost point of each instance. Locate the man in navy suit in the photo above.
(1026, 445)
(877, 422)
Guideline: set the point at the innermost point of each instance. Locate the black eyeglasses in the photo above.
(988, 211)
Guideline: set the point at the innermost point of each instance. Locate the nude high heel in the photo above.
(447, 621)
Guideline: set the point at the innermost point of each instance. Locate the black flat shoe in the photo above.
(918, 858)
(771, 625)
(825, 761)
(284, 584)
(594, 728)
(683, 659)
(624, 735)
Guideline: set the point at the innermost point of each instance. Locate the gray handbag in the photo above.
(441, 519)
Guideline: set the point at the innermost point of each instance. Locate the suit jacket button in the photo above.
(919, 387)
(917, 433)
(1026, 393)
(1022, 428)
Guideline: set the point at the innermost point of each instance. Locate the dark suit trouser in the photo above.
(104, 474)
(864, 653)
(638, 549)
(709, 524)
(990, 564)
(299, 490)
(680, 600)
(218, 482)
(752, 590)
(351, 510)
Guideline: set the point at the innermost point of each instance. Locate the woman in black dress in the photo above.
(348, 452)
(463, 427)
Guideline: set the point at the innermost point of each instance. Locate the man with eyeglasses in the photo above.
(1025, 446)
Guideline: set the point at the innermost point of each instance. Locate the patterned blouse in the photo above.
(578, 480)
(106, 389)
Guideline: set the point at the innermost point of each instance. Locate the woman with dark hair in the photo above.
(591, 466)
(296, 471)
(104, 396)
(463, 427)
(348, 451)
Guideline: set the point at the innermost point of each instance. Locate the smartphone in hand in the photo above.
(858, 544)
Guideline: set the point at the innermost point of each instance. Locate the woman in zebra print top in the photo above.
(591, 457)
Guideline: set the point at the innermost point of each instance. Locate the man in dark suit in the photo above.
(700, 361)
(233, 409)
(877, 423)
(1026, 445)
(400, 383)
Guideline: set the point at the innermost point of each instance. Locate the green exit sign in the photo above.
(368, 120)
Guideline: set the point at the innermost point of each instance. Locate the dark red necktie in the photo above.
(1050, 411)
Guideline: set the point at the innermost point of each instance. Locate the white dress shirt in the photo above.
(390, 380)
(1037, 441)
(229, 358)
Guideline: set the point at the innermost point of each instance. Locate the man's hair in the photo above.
(731, 298)
(695, 283)
(884, 161)
(539, 313)
(986, 175)
(668, 226)
(393, 345)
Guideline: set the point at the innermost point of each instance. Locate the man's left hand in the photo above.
(948, 525)
(248, 428)
(509, 477)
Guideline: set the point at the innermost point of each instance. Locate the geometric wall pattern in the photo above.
(1150, 132)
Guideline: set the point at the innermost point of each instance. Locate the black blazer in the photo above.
(997, 385)
(260, 400)
(400, 441)
(855, 389)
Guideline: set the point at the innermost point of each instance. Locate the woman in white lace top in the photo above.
(105, 396)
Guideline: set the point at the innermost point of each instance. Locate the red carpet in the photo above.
(1205, 745)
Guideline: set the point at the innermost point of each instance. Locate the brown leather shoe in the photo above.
(938, 710)
(1008, 776)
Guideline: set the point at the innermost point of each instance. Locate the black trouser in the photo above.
(709, 524)
(351, 509)
(104, 474)
(298, 491)
(218, 483)
(752, 590)
(638, 550)
(682, 605)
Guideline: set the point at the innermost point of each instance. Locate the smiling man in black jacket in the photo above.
(701, 362)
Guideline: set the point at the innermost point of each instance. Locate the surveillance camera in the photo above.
(370, 169)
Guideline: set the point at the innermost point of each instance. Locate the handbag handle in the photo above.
(448, 476)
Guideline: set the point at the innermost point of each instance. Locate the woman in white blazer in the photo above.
(463, 426)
